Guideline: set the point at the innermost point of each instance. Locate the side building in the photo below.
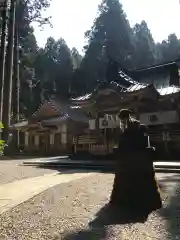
(50, 130)
(154, 97)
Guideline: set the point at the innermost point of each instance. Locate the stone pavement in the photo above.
(14, 193)
(72, 208)
(12, 170)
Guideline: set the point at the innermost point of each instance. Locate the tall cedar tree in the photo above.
(110, 37)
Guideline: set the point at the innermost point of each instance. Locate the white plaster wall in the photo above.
(62, 128)
(112, 121)
(92, 124)
(36, 141)
(162, 117)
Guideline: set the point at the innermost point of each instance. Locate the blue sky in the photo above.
(71, 18)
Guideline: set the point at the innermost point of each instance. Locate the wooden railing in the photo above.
(157, 137)
(173, 135)
(85, 139)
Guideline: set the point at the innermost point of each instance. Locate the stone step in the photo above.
(104, 166)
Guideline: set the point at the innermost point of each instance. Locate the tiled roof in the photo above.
(162, 91)
(168, 90)
(136, 87)
(139, 86)
(75, 107)
(127, 78)
(72, 113)
(56, 119)
(126, 83)
(82, 98)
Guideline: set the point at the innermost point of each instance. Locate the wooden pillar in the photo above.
(26, 141)
(166, 139)
(64, 134)
(36, 141)
(52, 139)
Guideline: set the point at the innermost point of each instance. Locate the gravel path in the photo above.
(64, 211)
(11, 171)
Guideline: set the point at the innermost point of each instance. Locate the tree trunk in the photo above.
(2, 54)
(16, 88)
(9, 72)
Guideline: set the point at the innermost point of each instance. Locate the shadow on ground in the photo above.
(108, 215)
(171, 210)
(65, 170)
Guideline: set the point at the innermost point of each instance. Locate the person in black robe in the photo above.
(135, 186)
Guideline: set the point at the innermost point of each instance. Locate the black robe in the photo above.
(135, 186)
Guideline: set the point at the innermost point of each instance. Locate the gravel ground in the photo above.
(64, 211)
(11, 171)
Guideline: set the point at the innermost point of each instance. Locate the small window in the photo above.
(153, 118)
(104, 123)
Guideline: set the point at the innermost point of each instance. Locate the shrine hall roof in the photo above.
(128, 84)
(61, 111)
(124, 83)
(162, 91)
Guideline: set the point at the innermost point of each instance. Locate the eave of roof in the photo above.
(82, 98)
(168, 90)
(158, 66)
(137, 87)
(20, 124)
(55, 120)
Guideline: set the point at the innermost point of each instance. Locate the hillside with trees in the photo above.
(57, 69)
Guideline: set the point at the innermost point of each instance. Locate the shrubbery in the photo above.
(2, 142)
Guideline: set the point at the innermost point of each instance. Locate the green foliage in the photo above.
(2, 145)
(2, 142)
(29, 11)
(54, 67)
(169, 49)
(57, 69)
(109, 37)
(1, 125)
(145, 48)
(76, 58)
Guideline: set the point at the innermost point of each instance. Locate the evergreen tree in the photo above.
(169, 49)
(76, 57)
(54, 68)
(64, 69)
(110, 37)
(118, 41)
(28, 11)
(145, 50)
